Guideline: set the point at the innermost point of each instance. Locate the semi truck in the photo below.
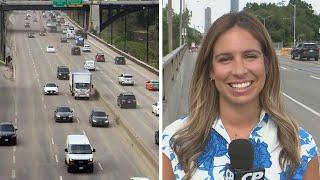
(80, 84)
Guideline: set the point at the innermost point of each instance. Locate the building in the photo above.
(207, 19)
(234, 6)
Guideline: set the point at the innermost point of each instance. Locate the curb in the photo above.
(133, 59)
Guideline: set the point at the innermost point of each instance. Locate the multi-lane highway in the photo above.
(39, 153)
(300, 82)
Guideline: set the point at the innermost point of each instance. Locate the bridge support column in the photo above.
(86, 21)
(2, 35)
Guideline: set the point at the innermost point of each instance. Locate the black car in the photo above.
(27, 25)
(127, 100)
(31, 35)
(98, 118)
(63, 39)
(119, 60)
(8, 133)
(75, 50)
(156, 137)
(63, 113)
(305, 50)
(63, 72)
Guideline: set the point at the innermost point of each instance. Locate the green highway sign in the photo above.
(75, 3)
(60, 3)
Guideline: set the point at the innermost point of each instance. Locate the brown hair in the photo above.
(189, 142)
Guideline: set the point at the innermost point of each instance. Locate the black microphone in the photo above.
(241, 157)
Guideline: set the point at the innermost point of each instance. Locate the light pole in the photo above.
(294, 24)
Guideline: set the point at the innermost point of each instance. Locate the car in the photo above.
(27, 25)
(42, 33)
(50, 49)
(63, 114)
(50, 88)
(63, 72)
(86, 48)
(98, 118)
(152, 85)
(78, 153)
(127, 100)
(155, 108)
(75, 50)
(31, 35)
(126, 79)
(305, 50)
(64, 31)
(120, 60)
(66, 24)
(63, 39)
(62, 21)
(26, 18)
(89, 65)
(100, 57)
(156, 137)
(8, 133)
(35, 19)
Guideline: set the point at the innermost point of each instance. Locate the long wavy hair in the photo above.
(189, 142)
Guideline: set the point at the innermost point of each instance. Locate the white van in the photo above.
(78, 153)
(89, 65)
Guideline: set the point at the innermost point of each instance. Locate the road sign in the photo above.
(75, 3)
(60, 3)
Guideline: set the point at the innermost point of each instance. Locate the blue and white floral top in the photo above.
(212, 162)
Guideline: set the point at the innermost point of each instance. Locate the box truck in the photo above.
(80, 84)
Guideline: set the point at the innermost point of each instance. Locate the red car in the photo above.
(152, 85)
(100, 57)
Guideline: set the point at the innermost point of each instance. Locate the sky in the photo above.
(220, 7)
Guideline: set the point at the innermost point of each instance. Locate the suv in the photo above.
(63, 72)
(119, 60)
(63, 39)
(8, 133)
(305, 50)
(89, 65)
(126, 79)
(78, 153)
(50, 88)
(98, 118)
(100, 57)
(127, 100)
(63, 113)
(75, 50)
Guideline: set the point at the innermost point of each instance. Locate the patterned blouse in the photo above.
(211, 164)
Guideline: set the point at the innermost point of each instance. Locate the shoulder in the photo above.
(307, 143)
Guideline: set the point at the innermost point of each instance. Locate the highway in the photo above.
(39, 153)
(300, 81)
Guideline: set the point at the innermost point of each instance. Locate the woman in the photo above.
(235, 94)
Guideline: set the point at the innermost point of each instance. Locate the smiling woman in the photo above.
(235, 94)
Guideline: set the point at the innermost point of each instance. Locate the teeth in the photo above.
(241, 85)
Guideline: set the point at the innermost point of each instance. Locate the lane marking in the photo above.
(283, 67)
(100, 166)
(45, 106)
(77, 120)
(315, 77)
(15, 120)
(69, 102)
(16, 113)
(60, 177)
(14, 159)
(13, 174)
(56, 158)
(14, 149)
(52, 141)
(301, 104)
(42, 98)
(84, 132)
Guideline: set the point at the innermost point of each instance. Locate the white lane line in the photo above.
(84, 132)
(52, 141)
(16, 113)
(100, 166)
(42, 98)
(14, 159)
(60, 177)
(301, 104)
(283, 67)
(69, 102)
(56, 158)
(13, 174)
(45, 106)
(65, 95)
(15, 120)
(14, 149)
(78, 120)
(315, 77)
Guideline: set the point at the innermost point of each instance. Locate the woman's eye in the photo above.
(224, 59)
(251, 56)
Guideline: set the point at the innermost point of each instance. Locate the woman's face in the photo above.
(238, 67)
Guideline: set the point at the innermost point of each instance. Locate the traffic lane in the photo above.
(32, 137)
(65, 89)
(303, 66)
(302, 87)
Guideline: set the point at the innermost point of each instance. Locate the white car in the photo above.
(126, 79)
(89, 65)
(86, 48)
(64, 31)
(50, 88)
(66, 24)
(155, 108)
(50, 49)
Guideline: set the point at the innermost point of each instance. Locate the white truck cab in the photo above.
(89, 65)
(78, 153)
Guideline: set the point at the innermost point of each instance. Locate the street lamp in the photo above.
(264, 19)
(294, 24)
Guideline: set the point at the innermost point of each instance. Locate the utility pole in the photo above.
(169, 20)
(294, 24)
(180, 28)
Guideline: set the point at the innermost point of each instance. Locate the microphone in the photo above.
(241, 157)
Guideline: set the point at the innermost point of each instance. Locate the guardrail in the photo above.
(126, 55)
(171, 64)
